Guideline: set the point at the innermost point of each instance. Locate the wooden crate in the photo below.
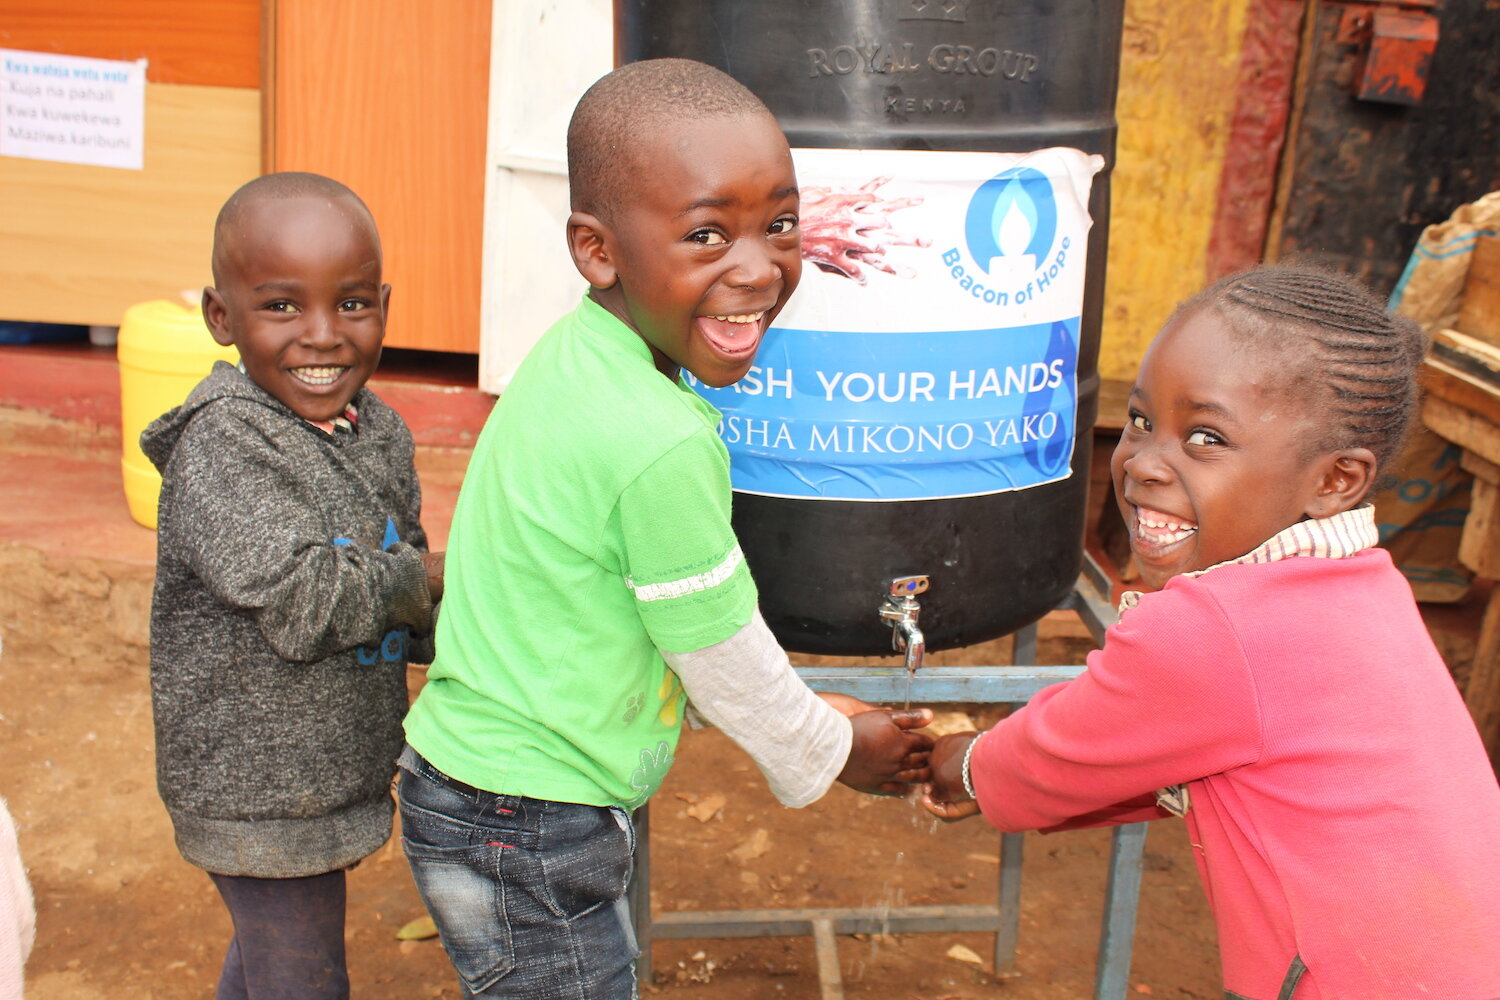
(1480, 314)
(1462, 381)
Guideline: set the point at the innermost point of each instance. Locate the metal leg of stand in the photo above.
(640, 893)
(1025, 648)
(826, 946)
(1007, 930)
(964, 685)
(1120, 899)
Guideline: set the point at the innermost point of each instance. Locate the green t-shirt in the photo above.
(591, 532)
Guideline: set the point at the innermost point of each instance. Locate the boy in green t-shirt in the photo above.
(593, 585)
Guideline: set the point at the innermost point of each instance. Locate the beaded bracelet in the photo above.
(968, 783)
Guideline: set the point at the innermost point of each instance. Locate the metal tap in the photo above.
(899, 609)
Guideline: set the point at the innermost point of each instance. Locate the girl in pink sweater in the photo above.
(1277, 687)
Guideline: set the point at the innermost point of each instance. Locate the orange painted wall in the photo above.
(210, 43)
(391, 98)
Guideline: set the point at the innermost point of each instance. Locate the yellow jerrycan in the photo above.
(164, 350)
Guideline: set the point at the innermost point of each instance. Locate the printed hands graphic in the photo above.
(845, 232)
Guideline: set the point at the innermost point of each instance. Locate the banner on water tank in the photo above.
(932, 348)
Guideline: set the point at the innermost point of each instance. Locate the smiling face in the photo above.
(298, 292)
(1215, 455)
(703, 249)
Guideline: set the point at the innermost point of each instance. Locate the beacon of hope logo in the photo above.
(1011, 233)
(1004, 210)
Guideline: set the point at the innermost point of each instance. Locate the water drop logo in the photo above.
(1012, 213)
(1050, 455)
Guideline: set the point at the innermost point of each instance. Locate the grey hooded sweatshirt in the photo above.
(290, 593)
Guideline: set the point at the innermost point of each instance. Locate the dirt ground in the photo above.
(121, 915)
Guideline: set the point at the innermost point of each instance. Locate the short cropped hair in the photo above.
(616, 111)
(288, 184)
(1354, 361)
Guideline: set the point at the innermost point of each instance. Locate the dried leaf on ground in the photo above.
(754, 846)
(707, 808)
(419, 929)
(959, 953)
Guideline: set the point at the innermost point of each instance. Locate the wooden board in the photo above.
(1465, 372)
(1479, 548)
(1443, 381)
(1477, 356)
(1114, 404)
(1463, 427)
(1480, 313)
(80, 244)
(208, 43)
(1482, 694)
(391, 98)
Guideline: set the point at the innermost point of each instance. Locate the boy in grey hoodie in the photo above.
(292, 584)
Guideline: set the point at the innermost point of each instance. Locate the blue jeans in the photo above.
(528, 895)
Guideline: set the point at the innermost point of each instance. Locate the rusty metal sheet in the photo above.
(1399, 58)
(1367, 177)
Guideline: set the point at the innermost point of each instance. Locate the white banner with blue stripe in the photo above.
(932, 347)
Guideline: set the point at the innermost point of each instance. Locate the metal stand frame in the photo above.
(963, 685)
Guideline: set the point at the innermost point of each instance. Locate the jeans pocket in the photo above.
(588, 861)
(459, 887)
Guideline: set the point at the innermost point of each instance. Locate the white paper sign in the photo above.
(72, 109)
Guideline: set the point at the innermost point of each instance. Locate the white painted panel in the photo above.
(543, 56)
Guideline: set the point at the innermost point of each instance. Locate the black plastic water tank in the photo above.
(1008, 76)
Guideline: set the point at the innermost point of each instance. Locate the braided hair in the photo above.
(1356, 362)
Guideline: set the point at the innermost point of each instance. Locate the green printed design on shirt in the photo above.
(653, 771)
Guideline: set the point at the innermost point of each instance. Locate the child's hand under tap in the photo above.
(846, 704)
(885, 758)
(944, 794)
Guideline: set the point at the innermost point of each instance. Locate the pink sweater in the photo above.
(1342, 805)
(17, 913)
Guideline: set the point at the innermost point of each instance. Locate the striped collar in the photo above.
(348, 421)
(1336, 537)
